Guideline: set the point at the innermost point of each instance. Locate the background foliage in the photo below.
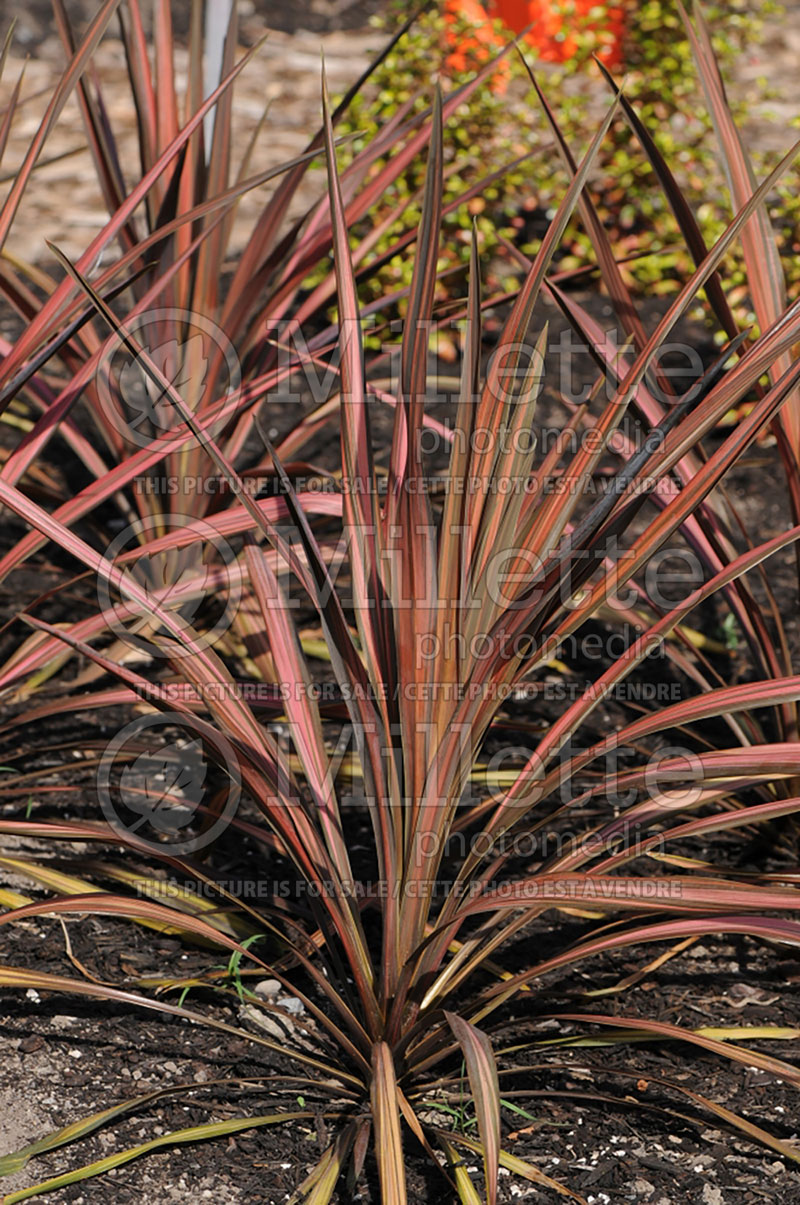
(497, 125)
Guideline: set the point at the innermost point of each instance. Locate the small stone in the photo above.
(267, 988)
(712, 1195)
(29, 1045)
(277, 1028)
(292, 1005)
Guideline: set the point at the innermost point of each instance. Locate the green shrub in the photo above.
(660, 79)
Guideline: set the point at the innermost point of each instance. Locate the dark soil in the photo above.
(606, 1123)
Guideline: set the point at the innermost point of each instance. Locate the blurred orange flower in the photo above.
(555, 26)
(470, 51)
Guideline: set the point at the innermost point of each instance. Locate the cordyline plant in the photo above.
(398, 965)
(229, 330)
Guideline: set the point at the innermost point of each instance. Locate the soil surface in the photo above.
(604, 1121)
(613, 1123)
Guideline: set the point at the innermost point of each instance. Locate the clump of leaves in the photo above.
(397, 964)
(228, 329)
